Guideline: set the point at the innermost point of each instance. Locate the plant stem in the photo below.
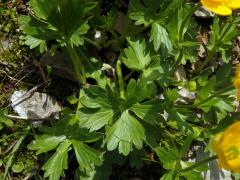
(214, 95)
(79, 105)
(11, 155)
(90, 41)
(180, 56)
(181, 35)
(200, 163)
(120, 79)
(217, 93)
(214, 49)
(77, 65)
(185, 20)
(207, 60)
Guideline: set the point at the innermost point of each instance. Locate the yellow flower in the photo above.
(227, 147)
(221, 7)
(236, 80)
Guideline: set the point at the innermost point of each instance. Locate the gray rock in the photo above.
(34, 105)
(186, 95)
(180, 74)
(204, 13)
(5, 44)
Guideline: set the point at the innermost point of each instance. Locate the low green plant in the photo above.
(138, 110)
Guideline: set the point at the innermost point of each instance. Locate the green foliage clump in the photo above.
(136, 105)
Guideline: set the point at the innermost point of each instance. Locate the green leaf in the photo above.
(43, 9)
(55, 166)
(140, 13)
(46, 143)
(205, 91)
(159, 37)
(148, 111)
(72, 99)
(223, 34)
(167, 176)
(171, 95)
(136, 56)
(193, 175)
(4, 121)
(76, 38)
(110, 158)
(180, 116)
(85, 154)
(137, 91)
(215, 30)
(166, 156)
(38, 29)
(224, 106)
(95, 120)
(33, 42)
(18, 167)
(110, 19)
(96, 97)
(124, 133)
(52, 20)
(185, 147)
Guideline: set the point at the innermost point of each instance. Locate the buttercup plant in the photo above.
(150, 102)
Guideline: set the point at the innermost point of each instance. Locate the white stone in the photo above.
(34, 105)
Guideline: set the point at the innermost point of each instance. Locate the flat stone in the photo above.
(186, 96)
(5, 44)
(34, 105)
(203, 13)
(180, 74)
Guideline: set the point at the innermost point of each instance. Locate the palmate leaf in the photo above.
(43, 9)
(127, 131)
(33, 42)
(136, 56)
(46, 143)
(62, 136)
(148, 111)
(57, 13)
(58, 162)
(140, 13)
(137, 91)
(147, 11)
(4, 121)
(96, 97)
(159, 37)
(52, 20)
(85, 154)
(95, 120)
(99, 107)
(38, 29)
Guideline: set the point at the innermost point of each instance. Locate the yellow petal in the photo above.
(232, 132)
(227, 147)
(236, 80)
(232, 156)
(222, 163)
(233, 4)
(217, 7)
